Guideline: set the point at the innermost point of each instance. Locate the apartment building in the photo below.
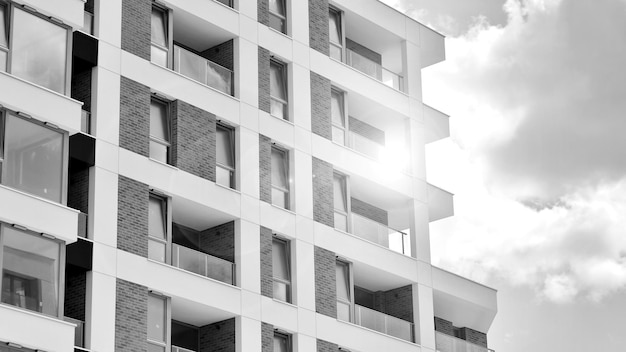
(232, 175)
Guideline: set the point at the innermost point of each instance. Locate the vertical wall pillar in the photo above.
(423, 316)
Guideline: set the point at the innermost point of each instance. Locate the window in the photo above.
(33, 157)
(160, 130)
(335, 32)
(31, 275)
(344, 291)
(282, 342)
(160, 36)
(280, 177)
(281, 269)
(341, 202)
(338, 116)
(278, 90)
(158, 323)
(158, 228)
(278, 13)
(225, 159)
(26, 53)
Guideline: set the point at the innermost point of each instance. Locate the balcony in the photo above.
(375, 70)
(380, 234)
(203, 264)
(79, 332)
(203, 70)
(180, 349)
(447, 343)
(85, 121)
(384, 323)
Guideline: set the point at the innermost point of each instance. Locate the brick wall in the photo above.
(444, 326)
(75, 292)
(399, 303)
(366, 130)
(264, 79)
(318, 25)
(325, 346)
(263, 12)
(267, 274)
(265, 169)
(217, 337)
(222, 54)
(325, 282)
(81, 88)
(134, 116)
(219, 241)
(323, 208)
(136, 27)
(78, 190)
(193, 140)
(320, 106)
(131, 314)
(132, 216)
(473, 336)
(267, 337)
(369, 211)
(364, 51)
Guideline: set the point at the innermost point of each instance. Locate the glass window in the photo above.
(340, 202)
(280, 178)
(157, 228)
(159, 36)
(4, 38)
(344, 296)
(335, 33)
(30, 271)
(337, 109)
(281, 270)
(157, 323)
(225, 150)
(34, 158)
(282, 342)
(278, 90)
(278, 13)
(159, 130)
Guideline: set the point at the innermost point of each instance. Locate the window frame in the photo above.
(167, 345)
(348, 265)
(287, 170)
(348, 211)
(167, 217)
(287, 245)
(279, 334)
(10, 32)
(60, 266)
(169, 31)
(233, 151)
(283, 68)
(279, 16)
(342, 35)
(4, 112)
(345, 129)
(155, 99)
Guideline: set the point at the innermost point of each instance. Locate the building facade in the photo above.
(232, 175)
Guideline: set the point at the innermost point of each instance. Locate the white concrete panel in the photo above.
(107, 156)
(424, 273)
(279, 130)
(413, 31)
(177, 183)
(303, 183)
(280, 314)
(413, 84)
(300, 21)
(305, 343)
(100, 312)
(248, 256)
(209, 11)
(278, 219)
(301, 97)
(19, 95)
(465, 288)
(249, 156)
(109, 56)
(301, 54)
(305, 278)
(303, 139)
(423, 300)
(248, 334)
(419, 227)
(69, 11)
(104, 259)
(417, 149)
(174, 282)
(379, 13)
(108, 21)
(105, 111)
(277, 43)
(358, 338)
(247, 8)
(17, 326)
(306, 321)
(250, 208)
(248, 74)
(432, 47)
(38, 214)
(440, 203)
(249, 117)
(250, 305)
(180, 87)
(103, 204)
(305, 229)
(248, 29)
(437, 124)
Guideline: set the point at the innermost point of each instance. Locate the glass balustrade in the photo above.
(79, 332)
(180, 349)
(378, 233)
(203, 264)
(365, 145)
(384, 323)
(202, 70)
(85, 121)
(374, 70)
(447, 343)
(82, 225)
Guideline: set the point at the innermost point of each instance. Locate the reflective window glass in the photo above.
(343, 281)
(281, 270)
(337, 109)
(277, 15)
(159, 27)
(281, 343)
(280, 169)
(339, 193)
(278, 87)
(334, 27)
(4, 39)
(157, 318)
(159, 130)
(224, 147)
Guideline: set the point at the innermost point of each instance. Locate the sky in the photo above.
(536, 94)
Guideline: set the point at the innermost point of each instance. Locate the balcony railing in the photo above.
(203, 264)
(202, 70)
(180, 349)
(384, 323)
(82, 225)
(447, 343)
(85, 121)
(375, 70)
(365, 145)
(378, 233)
(79, 333)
